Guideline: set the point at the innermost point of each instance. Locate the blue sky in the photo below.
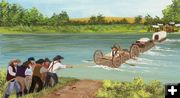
(86, 8)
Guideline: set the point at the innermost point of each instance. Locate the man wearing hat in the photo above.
(115, 51)
(37, 76)
(54, 67)
(44, 69)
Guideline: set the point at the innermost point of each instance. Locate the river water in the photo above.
(162, 62)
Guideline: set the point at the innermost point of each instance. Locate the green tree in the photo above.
(64, 18)
(92, 20)
(138, 19)
(4, 8)
(124, 21)
(59, 19)
(100, 19)
(157, 20)
(33, 16)
(148, 20)
(14, 13)
(172, 12)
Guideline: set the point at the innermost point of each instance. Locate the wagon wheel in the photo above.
(117, 61)
(97, 56)
(134, 51)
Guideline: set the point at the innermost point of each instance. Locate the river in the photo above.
(162, 62)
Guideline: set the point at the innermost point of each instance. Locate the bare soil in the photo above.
(80, 89)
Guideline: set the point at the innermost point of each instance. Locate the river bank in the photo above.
(75, 29)
(72, 87)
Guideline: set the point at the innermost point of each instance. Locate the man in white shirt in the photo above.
(115, 51)
(53, 68)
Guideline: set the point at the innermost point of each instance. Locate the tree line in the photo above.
(15, 14)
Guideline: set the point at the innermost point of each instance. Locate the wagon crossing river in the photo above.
(122, 55)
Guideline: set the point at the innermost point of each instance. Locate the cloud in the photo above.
(86, 8)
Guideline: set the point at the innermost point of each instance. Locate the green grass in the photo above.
(135, 89)
(111, 89)
(63, 82)
(122, 28)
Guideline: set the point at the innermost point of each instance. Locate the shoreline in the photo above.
(67, 86)
(78, 29)
(93, 33)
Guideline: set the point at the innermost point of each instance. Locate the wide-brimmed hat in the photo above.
(31, 59)
(14, 60)
(114, 47)
(58, 57)
(40, 61)
(117, 46)
(47, 60)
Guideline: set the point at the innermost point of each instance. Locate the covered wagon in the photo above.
(159, 36)
(113, 61)
(141, 45)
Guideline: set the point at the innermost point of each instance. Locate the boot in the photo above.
(6, 96)
(18, 94)
(25, 91)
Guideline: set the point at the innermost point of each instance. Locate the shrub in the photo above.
(135, 89)
(2, 81)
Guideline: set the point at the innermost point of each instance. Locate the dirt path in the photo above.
(80, 89)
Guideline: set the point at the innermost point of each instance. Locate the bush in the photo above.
(2, 81)
(135, 89)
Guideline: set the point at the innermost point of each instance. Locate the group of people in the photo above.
(32, 75)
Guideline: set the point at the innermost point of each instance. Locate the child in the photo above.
(11, 75)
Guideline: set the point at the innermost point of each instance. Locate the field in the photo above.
(107, 19)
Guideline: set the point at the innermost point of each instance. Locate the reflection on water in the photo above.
(161, 62)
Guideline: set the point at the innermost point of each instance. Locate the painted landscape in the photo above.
(82, 36)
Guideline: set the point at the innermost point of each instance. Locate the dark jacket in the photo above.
(21, 71)
(9, 76)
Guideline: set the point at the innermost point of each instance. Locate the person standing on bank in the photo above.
(37, 76)
(54, 66)
(11, 75)
(44, 70)
(32, 61)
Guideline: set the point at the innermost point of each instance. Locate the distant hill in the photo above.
(107, 19)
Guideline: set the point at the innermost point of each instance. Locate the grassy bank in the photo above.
(111, 89)
(123, 28)
(63, 82)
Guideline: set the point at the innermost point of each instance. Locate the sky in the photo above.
(87, 8)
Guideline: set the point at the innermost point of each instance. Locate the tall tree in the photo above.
(15, 12)
(100, 19)
(148, 20)
(33, 16)
(138, 19)
(157, 20)
(92, 20)
(4, 8)
(172, 12)
(59, 19)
